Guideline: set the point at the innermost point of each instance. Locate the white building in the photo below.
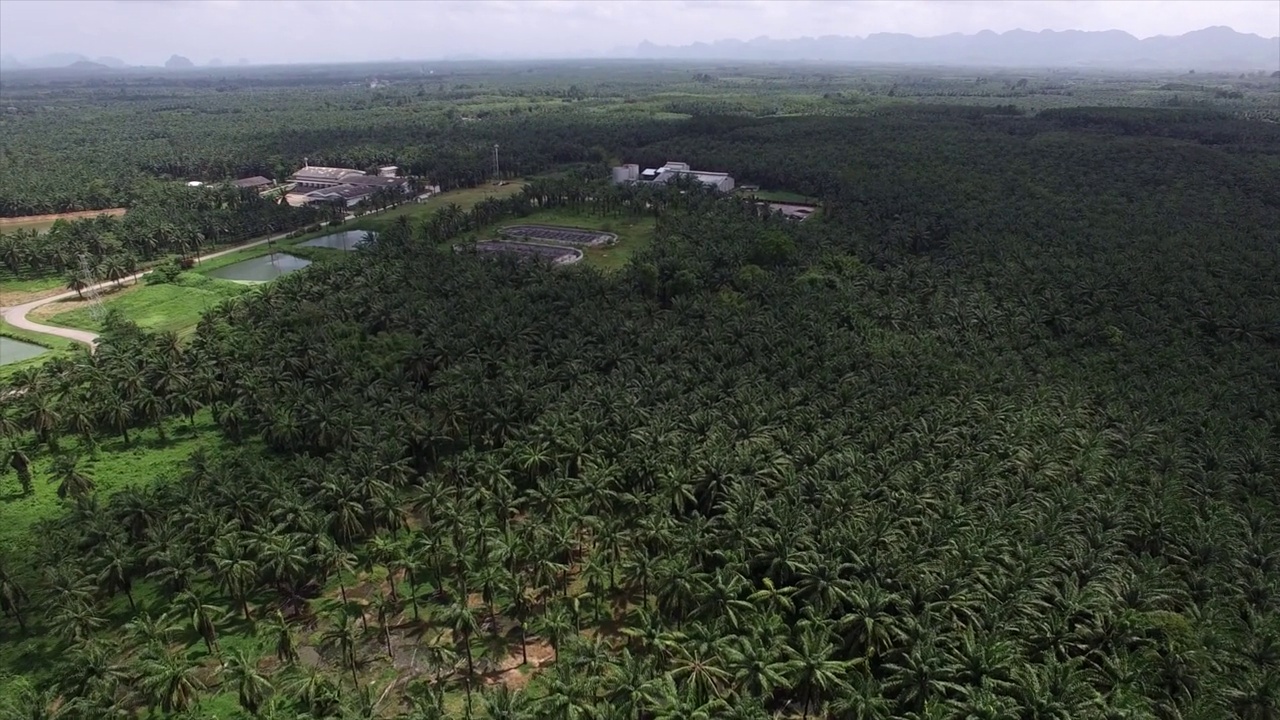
(322, 177)
(670, 171)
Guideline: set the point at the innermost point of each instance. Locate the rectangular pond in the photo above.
(12, 351)
(346, 240)
(261, 269)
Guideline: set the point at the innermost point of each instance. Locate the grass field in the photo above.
(175, 307)
(44, 222)
(465, 198)
(14, 291)
(113, 465)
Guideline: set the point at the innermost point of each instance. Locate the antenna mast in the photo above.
(90, 291)
(497, 175)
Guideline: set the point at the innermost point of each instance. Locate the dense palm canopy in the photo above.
(994, 436)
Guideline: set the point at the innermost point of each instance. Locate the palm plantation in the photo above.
(877, 466)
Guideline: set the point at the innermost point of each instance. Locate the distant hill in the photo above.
(177, 61)
(87, 65)
(112, 62)
(1214, 48)
(53, 60)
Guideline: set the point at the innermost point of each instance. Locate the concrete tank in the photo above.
(626, 173)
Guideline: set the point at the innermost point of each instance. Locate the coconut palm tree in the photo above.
(812, 670)
(252, 687)
(168, 682)
(341, 635)
(203, 617)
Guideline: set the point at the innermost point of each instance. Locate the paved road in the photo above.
(17, 315)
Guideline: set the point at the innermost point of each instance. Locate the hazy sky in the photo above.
(148, 31)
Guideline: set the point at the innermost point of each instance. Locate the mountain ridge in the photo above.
(1213, 48)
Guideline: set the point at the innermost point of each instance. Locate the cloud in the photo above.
(148, 31)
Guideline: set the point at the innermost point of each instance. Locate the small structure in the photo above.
(670, 171)
(194, 183)
(389, 171)
(253, 183)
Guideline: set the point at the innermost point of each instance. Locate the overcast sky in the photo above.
(148, 31)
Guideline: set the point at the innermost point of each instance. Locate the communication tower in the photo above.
(497, 175)
(90, 291)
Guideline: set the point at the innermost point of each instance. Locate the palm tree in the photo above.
(74, 484)
(118, 568)
(21, 465)
(286, 650)
(252, 687)
(75, 281)
(811, 669)
(202, 617)
(234, 572)
(503, 703)
(341, 634)
(168, 681)
(757, 671)
(463, 622)
(556, 625)
(147, 631)
(12, 598)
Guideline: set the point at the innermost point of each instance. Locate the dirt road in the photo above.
(17, 315)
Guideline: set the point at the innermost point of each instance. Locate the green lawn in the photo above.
(112, 466)
(163, 308)
(15, 291)
(465, 198)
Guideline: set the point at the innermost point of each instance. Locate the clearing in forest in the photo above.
(44, 222)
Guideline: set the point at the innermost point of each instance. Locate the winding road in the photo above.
(17, 315)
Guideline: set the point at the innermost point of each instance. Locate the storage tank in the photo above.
(626, 173)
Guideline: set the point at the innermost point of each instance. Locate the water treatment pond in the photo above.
(12, 351)
(347, 240)
(261, 269)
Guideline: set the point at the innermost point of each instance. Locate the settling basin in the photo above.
(261, 269)
(346, 240)
(12, 351)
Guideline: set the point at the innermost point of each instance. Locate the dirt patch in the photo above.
(54, 308)
(8, 223)
(309, 656)
(513, 673)
(12, 298)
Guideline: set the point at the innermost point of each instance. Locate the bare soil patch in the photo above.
(9, 223)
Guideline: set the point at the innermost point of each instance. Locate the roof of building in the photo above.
(251, 182)
(374, 180)
(709, 178)
(325, 173)
(342, 192)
